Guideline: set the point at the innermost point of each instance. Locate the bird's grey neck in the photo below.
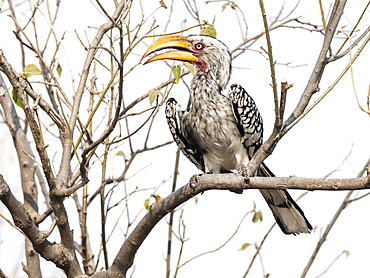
(204, 89)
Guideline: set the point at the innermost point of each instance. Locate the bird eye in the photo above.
(198, 46)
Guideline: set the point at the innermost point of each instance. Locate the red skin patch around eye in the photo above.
(201, 65)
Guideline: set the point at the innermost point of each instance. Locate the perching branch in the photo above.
(62, 254)
(199, 184)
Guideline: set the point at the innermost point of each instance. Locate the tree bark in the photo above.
(201, 183)
(27, 168)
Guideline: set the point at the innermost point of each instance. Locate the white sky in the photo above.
(313, 148)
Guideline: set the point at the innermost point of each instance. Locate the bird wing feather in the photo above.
(248, 118)
(287, 213)
(174, 119)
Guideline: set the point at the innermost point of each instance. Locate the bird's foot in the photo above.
(193, 181)
(242, 170)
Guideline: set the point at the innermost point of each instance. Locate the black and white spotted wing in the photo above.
(174, 116)
(250, 126)
(248, 118)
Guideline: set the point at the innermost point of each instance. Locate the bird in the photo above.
(219, 133)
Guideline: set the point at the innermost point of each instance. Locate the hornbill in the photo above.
(219, 133)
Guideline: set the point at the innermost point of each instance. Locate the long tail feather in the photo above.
(289, 216)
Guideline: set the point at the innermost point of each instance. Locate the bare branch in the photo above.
(326, 232)
(19, 85)
(18, 82)
(283, 94)
(90, 57)
(354, 29)
(56, 253)
(234, 181)
(278, 120)
(28, 168)
(2, 274)
(323, 238)
(170, 223)
(219, 247)
(199, 184)
(329, 89)
(313, 82)
(311, 88)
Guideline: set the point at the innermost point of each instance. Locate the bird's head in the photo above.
(209, 55)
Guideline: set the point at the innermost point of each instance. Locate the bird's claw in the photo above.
(193, 181)
(242, 170)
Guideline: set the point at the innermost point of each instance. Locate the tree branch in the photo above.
(278, 120)
(89, 59)
(201, 183)
(234, 181)
(56, 202)
(57, 253)
(27, 167)
(19, 86)
(322, 60)
(2, 274)
(324, 236)
(125, 256)
(311, 88)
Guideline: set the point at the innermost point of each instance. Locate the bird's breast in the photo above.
(213, 129)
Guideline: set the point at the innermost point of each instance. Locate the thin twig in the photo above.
(278, 120)
(219, 247)
(170, 223)
(330, 88)
(313, 83)
(344, 252)
(353, 29)
(283, 94)
(323, 238)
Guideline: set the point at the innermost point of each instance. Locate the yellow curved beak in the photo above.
(181, 49)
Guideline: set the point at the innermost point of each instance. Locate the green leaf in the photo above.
(176, 71)
(120, 153)
(257, 216)
(244, 246)
(147, 204)
(190, 67)
(152, 94)
(31, 70)
(16, 99)
(59, 70)
(209, 31)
